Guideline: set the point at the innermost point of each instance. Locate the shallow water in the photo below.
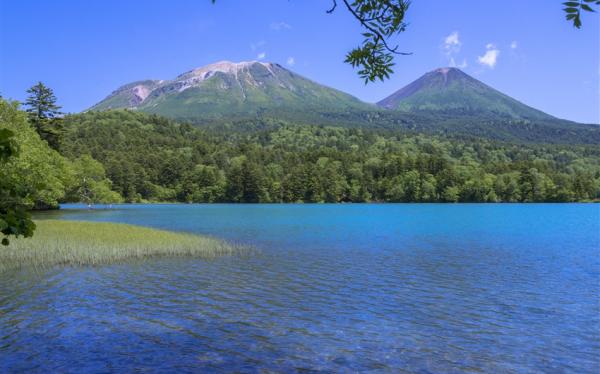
(338, 288)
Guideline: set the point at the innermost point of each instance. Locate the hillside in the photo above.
(451, 91)
(229, 90)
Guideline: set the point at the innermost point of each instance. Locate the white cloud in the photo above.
(462, 65)
(490, 57)
(278, 26)
(291, 61)
(257, 45)
(452, 43)
(514, 44)
(261, 56)
(451, 47)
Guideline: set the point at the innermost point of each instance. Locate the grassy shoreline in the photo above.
(79, 243)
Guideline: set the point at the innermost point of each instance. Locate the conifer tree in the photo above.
(44, 114)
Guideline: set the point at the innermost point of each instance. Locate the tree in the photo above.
(44, 114)
(40, 173)
(14, 219)
(91, 185)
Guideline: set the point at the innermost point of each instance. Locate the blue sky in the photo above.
(86, 49)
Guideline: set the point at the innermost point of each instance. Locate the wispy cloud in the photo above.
(261, 56)
(291, 61)
(455, 65)
(451, 47)
(514, 44)
(490, 57)
(452, 43)
(257, 45)
(278, 26)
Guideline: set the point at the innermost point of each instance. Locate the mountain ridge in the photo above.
(237, 89)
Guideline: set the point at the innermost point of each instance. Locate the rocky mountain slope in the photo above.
(227, 89)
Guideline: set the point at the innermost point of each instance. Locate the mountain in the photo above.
(255, 95)
(451, 91)
(228, 89)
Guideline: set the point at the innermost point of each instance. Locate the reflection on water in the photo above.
(425, 288)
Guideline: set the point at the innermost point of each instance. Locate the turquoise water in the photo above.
(334, 288)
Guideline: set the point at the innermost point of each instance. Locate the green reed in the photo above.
(60, 242)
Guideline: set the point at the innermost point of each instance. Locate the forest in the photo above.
(127, 156)
(150, 158)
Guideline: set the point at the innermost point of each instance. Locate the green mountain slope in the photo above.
(445, 102)
(226, 89)
(451, 91)
(128, 96)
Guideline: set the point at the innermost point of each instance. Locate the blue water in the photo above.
(422, 288)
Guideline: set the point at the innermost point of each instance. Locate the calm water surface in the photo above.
(334, 288)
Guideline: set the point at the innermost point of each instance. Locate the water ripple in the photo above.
(328, 300)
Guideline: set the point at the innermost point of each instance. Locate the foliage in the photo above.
(573, 10)
(38, 177)
(91, 185)
(40, 173)
(14, 219)
(149, 158)
(381, 19)
(44, 114)
(60, 242)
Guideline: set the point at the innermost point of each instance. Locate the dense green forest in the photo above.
(38, 176)
(122, 155)
(150, 158)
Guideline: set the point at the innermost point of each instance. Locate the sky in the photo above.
(84, 50)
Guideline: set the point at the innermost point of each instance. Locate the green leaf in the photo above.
(587, 8)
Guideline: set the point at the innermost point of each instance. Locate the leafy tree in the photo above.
(39, 172)
(451, 194)
(14, 218)
(44, 113)
(90, 183)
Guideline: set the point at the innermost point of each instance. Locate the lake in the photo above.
(428, 288)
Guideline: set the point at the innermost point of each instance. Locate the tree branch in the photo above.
(332, 8)
(377, 33)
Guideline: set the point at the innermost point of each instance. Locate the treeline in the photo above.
(149, 158)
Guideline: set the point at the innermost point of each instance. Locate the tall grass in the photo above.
(93, 243)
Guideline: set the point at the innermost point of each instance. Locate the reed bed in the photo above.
(77, 243)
